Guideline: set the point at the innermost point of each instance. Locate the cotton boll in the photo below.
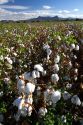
(42, 111)
(38, 67)
(38, 91)
(77, 48)
(6, 80)
(29, 88)
(76, 100)
(69, 65)
(64, 119)
(17, 101)
(56, 96)
(66, 95)
(30, 110)
(20, 106)
(35, 74)
(27, 76)
(56, 68)
(17, 115)
(47, 95)
(21, 85)
(46, 46)
(76, 71)
(9, 60)
(57, 59)
(29, 100)
(54, 78)
(72, 46)
(24, 111)
(44, 73)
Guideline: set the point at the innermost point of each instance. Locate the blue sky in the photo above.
(26, 9)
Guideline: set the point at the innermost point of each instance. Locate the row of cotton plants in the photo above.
(41, 75)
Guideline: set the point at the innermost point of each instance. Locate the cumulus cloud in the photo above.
(5, 1)
(76, 10)
(14, 7)
(46, 7)
(26, 14)
(63, 11)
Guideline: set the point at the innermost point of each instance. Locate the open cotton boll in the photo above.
(17, 115)
(56, 68)
(24, 111)
(72, 46)
(9, 60)
(46, 46)
(35, 74)
(46, 95)
(76, 100)
(57, 59)
(30, 110)
(21, 85)
(29, 100)
(20, 106)
(42, 111)
(44, 73)
(39, 67)
(17, 101)
(66, 95)
(54, 78)
(27, 76)
(77, 47)
(29, 88)
(55, 96)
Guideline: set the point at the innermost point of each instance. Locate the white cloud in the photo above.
(5, 1)
(14, 7)
(24, 15)
(46, 7)
(76, 10)
(63, 11)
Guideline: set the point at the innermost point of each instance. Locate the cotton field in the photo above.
(41, 73)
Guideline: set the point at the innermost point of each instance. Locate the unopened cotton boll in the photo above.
(54, 78)
(38, 67)
(42, 111)
(56, 96)
(76, 100)
(29, 88)
(57, 59)
(66, 95)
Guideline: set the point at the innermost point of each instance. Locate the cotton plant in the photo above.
(47, 49)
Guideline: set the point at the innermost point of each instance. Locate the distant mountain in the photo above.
(48, 18)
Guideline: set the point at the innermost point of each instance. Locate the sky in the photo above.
(27, 9)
